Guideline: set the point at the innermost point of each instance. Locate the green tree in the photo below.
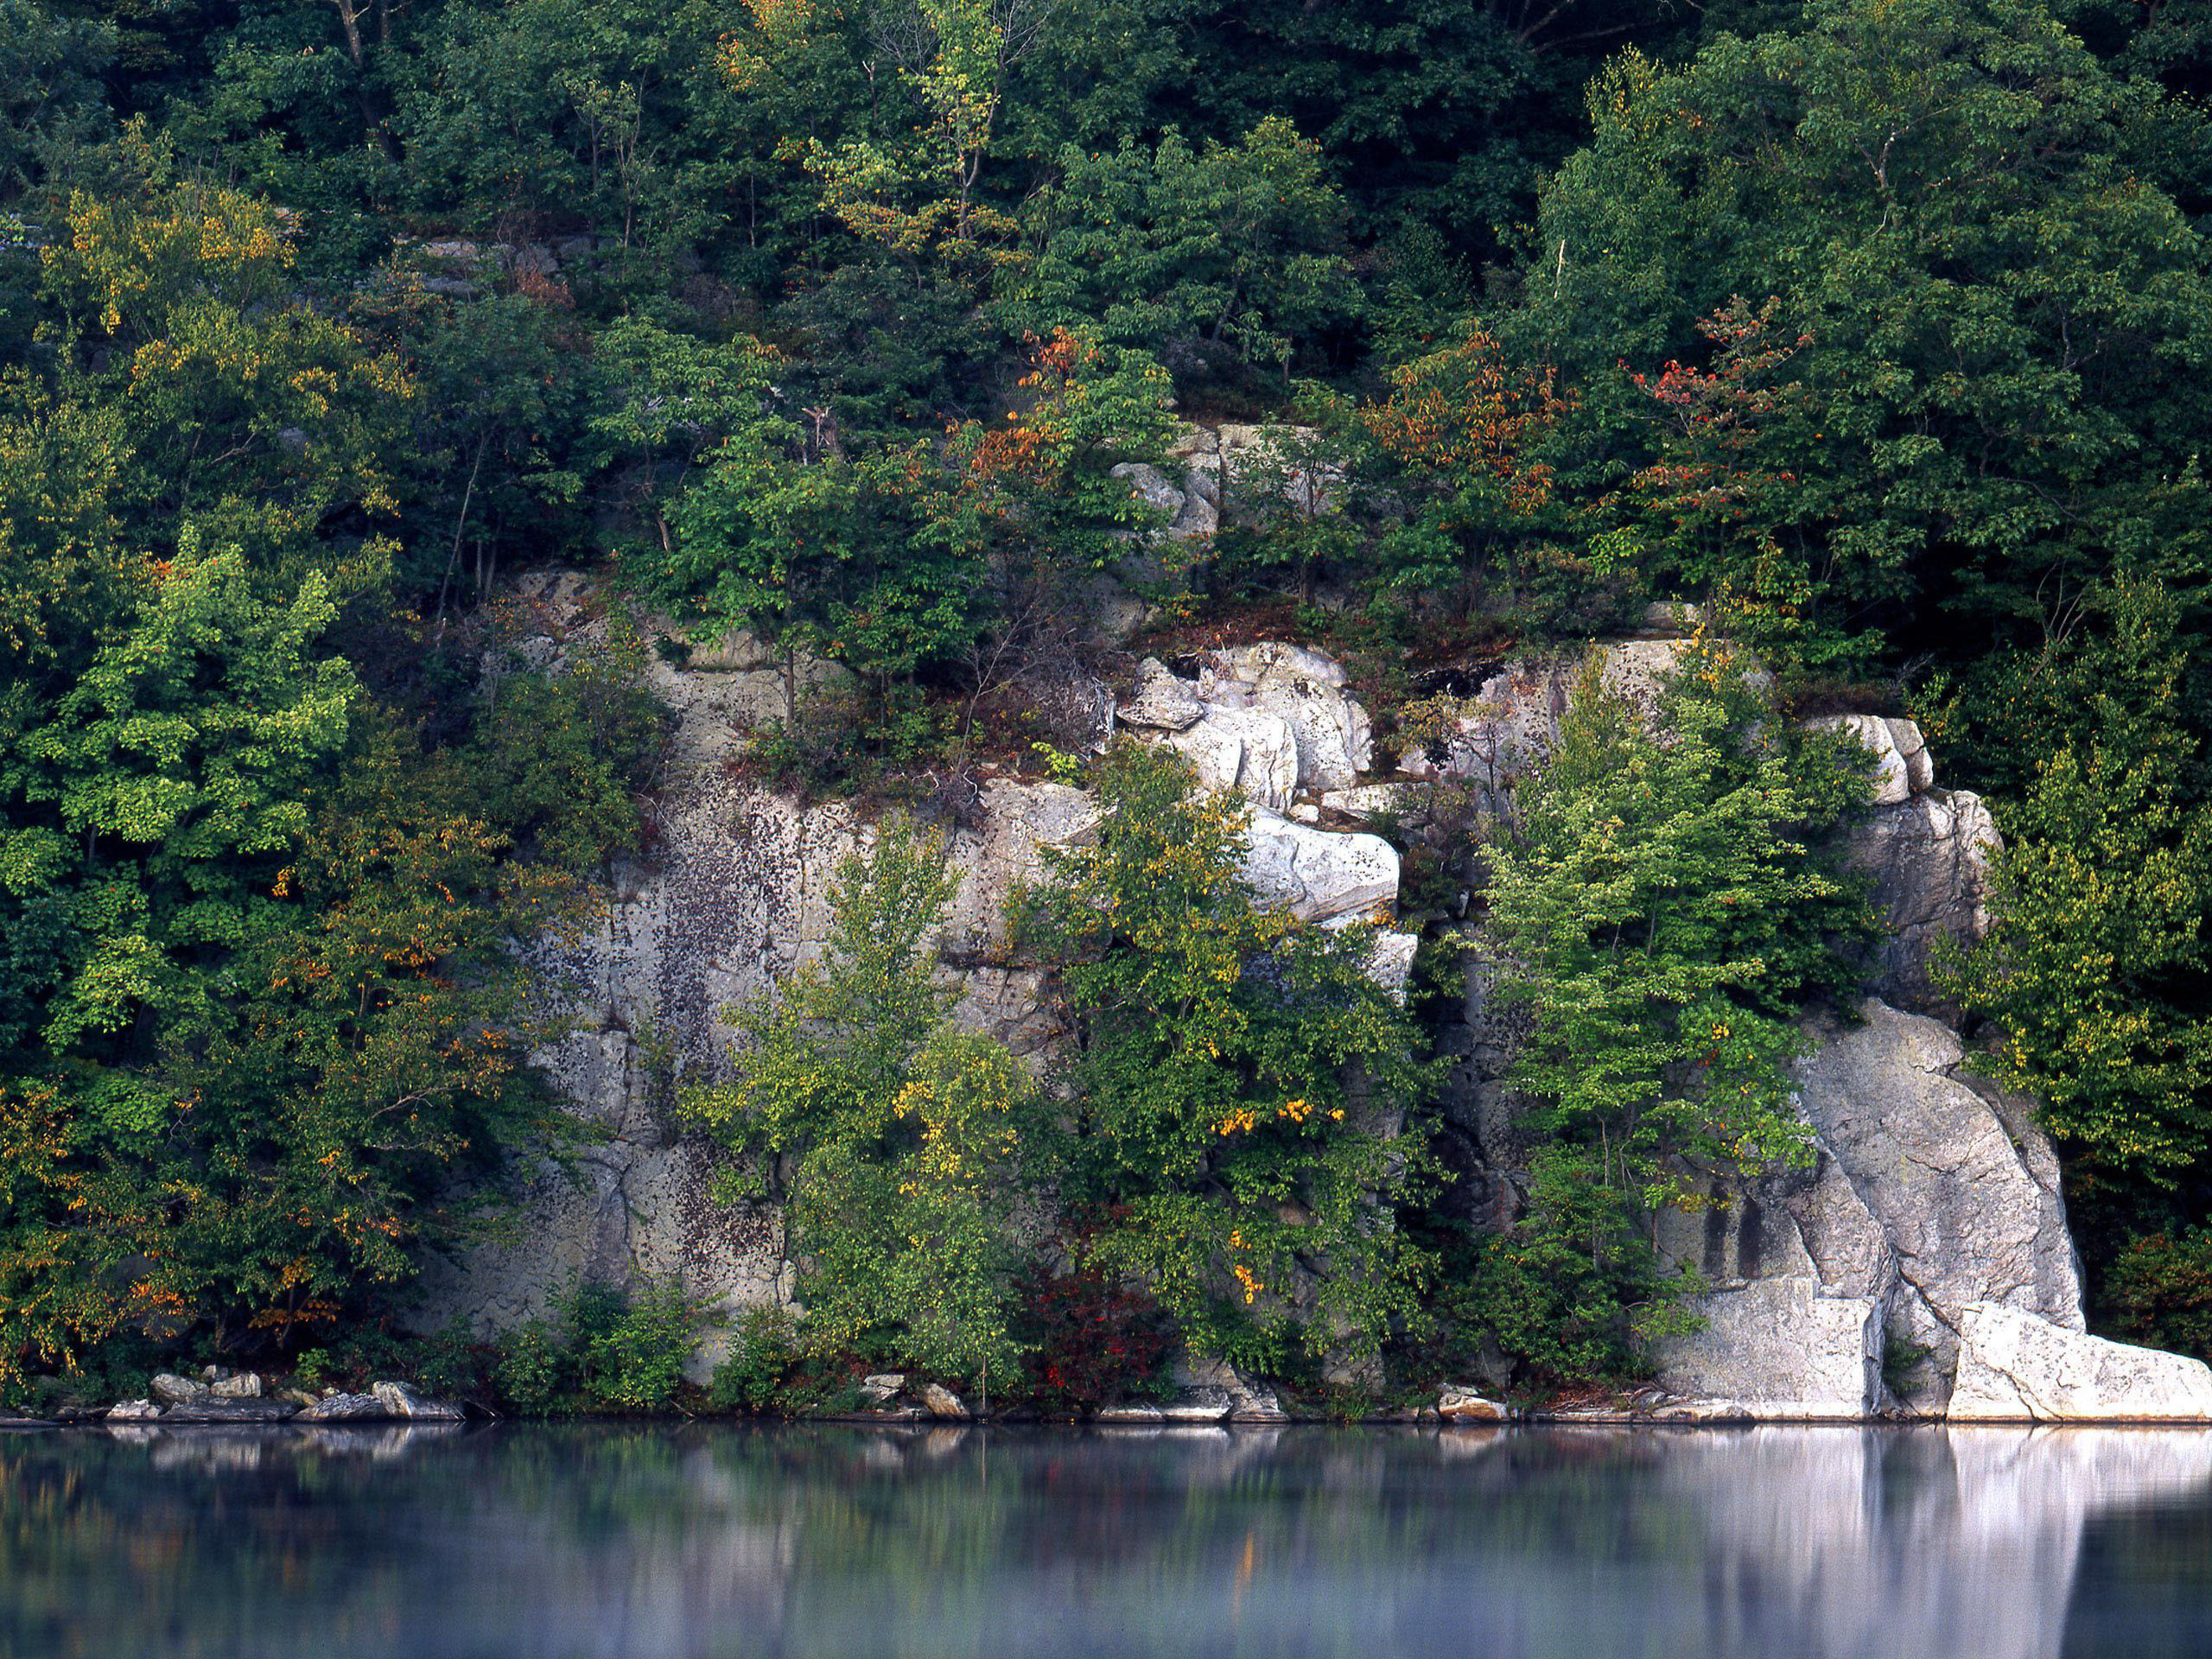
(1193, 251)
(2093, 968)
(1239, 1084)
(895, 1141)
(1662, 918)
(2004, 316)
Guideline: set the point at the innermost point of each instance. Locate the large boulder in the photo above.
(2014, 1367)
(1245, 751)
(1927, 862)
(1903, 765)
(1335, 740)
(1317, 874)
(1963, 1185)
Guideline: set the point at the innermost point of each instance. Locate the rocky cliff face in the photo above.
(1923, 1263)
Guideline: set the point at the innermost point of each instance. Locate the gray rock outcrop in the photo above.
(1844, 1289)
(1928, 1194)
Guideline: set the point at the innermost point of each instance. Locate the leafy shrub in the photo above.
(901, 1136)
(763, 1350)
(1096, 1341)
(636, 1363)
(1662, 919)
(2159, 1291)
(535, 1374)
(1216, 1137)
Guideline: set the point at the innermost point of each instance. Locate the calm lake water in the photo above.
(659, 1543)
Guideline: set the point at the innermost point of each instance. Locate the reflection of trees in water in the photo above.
(714, 1540)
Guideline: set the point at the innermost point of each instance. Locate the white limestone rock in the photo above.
(941, 1401)
(1879, 737)
(1392, 965)
(1150, 486)
(1317, 874)
(1250, 752)
(1335, 740)
(402, 1401)
(1164, 701)
(1926, 861)
(346, 1408)
(2015, 1367)
(1456, 1404)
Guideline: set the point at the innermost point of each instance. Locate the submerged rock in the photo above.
(209, 1409)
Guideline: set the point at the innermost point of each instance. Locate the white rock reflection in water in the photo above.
(939, 1542)
(1909, 1541)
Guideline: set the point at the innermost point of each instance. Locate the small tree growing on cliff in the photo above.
(1237, 1081)
(1666, 914)
(893, 1140)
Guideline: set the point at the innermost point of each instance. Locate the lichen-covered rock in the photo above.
(941, 1401)
(1455, 1404)
(1391, 966)
(173, 1390)
(1249, 1401)
(1334, 738)
(1893, 766)
(133, 1411)
(1926, 861)
(1200, 1405)
(1163, 702)
(240, 1385)
(1247, 752)
(208, 1409)
(346, 1408)
(2014, 1366)
(883, 1387)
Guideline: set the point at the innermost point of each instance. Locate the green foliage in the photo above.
(1237, 1086)
(1962, 220)
(2159, 1291)
(1571, 1288)
(1662, 919)
(636, 1363)
(2094, 966)
(894, 1140)
(1880, 326)
(764, 1348)
(1186, 252)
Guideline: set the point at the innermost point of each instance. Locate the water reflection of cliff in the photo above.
(661, 1544)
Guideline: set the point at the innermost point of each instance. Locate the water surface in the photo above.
(1579, 1543)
